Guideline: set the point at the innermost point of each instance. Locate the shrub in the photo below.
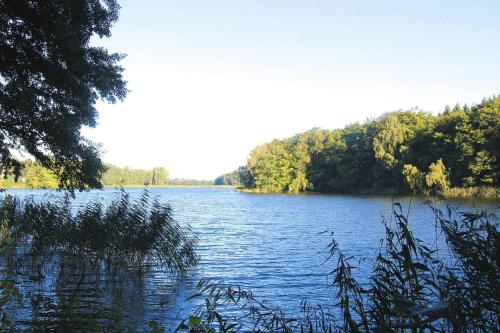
(414, 178)
(437, 177)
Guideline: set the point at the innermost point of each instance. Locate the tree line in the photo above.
(35, 175)
(190, 182)
(115, 175)
(401, 151)
(235, 178)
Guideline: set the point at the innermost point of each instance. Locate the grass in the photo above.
(255, 190)
(484, 192)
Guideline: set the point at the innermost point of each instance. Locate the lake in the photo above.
(269, 243)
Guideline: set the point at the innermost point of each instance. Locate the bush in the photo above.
(437, 177)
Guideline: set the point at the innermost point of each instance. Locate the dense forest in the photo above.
(402, 151)
(126, 176)
(235, 178)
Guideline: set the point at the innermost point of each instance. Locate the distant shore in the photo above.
(21, 187)
(485, 192)
(490, 193)
(169, 186)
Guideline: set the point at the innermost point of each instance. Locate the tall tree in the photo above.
(394, 133)
(270, 166)
(159, 176)
(50, 80)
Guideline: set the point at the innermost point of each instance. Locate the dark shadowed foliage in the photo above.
(50, 80)
(238, 177)
(74, 247)
(414, 287)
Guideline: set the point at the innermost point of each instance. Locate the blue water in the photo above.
(270, 244)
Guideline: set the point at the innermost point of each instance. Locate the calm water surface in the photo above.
(270, 244)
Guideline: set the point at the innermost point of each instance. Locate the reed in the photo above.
(69, 248)
(124, 233)
(484, 192)
(414, 287)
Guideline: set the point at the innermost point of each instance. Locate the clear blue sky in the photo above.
(210, 80)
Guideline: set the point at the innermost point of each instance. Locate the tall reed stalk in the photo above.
(413, 287)
(75, 246)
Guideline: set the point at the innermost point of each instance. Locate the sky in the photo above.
(211, 80)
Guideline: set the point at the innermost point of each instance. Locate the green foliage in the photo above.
(238, 177)
(476, 138)
(411, 289)
(414, 178)
(270, 167)
(355, 162)
(116, 176)
(9, 295)
(124, 234)
(159, 176)
(50, 79)
(482, 168)
(395, 132)
(386, 143)
(284, 165)
(34, 175)
(155, 328)
(437, 178)
(386, 154)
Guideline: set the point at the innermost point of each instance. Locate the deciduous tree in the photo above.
(50, 79)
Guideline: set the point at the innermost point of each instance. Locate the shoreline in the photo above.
(483, 193)
(126, 186)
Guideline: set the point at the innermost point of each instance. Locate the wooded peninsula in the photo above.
(455, 153)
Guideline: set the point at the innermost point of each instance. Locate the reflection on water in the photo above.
(270, 244)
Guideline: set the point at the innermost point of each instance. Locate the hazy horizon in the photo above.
(210, 81)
